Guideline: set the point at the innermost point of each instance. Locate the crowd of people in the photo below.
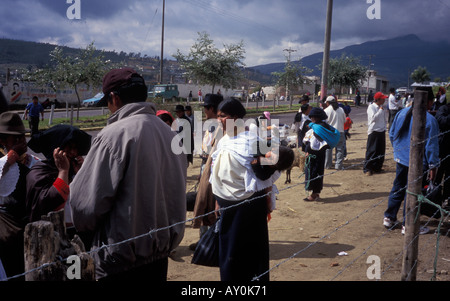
(395, 116)
(112, 187)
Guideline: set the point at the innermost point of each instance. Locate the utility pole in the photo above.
(289, 51)
(368, 75)
(162, 45)
(326, 51)
(415, 174)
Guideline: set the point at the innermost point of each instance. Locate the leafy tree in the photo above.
(293, 77)
(421, 75)
(210, 65)
(345, 71)
(72, 71)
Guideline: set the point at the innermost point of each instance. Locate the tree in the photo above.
(72, 71)
(209, 65)
(421, 75)
(293, 77)
(346, 71)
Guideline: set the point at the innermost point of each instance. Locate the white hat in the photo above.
(330, 99)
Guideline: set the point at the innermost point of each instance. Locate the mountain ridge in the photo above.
(393, 58)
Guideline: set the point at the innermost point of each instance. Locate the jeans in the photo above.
(398, 192)
(339, 156)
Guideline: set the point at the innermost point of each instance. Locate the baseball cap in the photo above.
(117, 78)
(330, 99)
(379, 95)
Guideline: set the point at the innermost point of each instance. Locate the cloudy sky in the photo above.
(266, 27)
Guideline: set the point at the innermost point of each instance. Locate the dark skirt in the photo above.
(314, 170)
(375, 152)
(244, 240)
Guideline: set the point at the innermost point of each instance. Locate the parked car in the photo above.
(239, 95)
(167, 91)
(92, 102)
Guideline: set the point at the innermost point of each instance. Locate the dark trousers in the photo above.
(314, 170)
(155, 271)
(34, 124)
(392, 114)
(375, 151)
(398, 192)
(442, 174)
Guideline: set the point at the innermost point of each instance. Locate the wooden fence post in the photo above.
(46, 243)
(412, 224)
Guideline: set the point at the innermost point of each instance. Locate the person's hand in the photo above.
(432, 174)
(61, 160)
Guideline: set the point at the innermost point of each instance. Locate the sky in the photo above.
(266, 27)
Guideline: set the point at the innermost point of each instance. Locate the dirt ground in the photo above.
(306, 237)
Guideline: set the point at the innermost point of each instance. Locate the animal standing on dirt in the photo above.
(299, 161)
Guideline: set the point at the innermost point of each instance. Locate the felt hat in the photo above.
(318, 113)
(212, 100)
(11, 123)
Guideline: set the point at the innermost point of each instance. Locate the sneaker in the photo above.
(387, 222)
(422, 230)
(368, 173)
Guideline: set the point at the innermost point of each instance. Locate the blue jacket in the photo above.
(401, 144)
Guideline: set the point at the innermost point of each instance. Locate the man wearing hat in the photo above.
(15, 164)
(205, 201)
(131, 182)
(376, 140)
(336, 118)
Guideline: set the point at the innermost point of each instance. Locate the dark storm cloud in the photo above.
(266, 26)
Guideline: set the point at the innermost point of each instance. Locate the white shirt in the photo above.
(376, 119)
(336, 118)
(232, 177)
(394, 104)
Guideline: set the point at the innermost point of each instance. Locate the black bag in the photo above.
(190, 200)
(207, 251)
(433, 193)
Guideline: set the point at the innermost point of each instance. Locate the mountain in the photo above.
(393, 58)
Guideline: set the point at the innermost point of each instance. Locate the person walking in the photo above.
(131, 182)
(400, 136)
(394, 105)
(32, 112)
(376, 131)
(200, 96)
(336, 118)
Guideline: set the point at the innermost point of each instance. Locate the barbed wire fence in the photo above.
(421, 200)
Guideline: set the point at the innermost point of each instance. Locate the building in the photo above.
(375, 82)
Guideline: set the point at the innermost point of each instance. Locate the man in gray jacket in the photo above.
(131, 183)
